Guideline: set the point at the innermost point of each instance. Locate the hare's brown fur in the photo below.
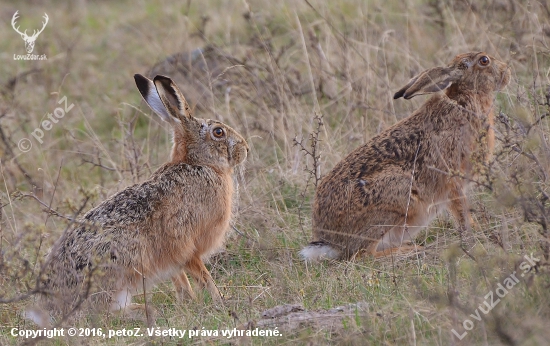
(162, 228)
(384, 192)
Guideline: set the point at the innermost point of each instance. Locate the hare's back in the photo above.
(397, 146)
(139, 202)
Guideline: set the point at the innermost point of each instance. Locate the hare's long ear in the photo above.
(164, 97)
(172, 98)
(150, 95)
(429, 81)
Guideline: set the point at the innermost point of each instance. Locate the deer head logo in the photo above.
(29, 40)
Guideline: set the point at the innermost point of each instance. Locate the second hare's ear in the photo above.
(429, 81)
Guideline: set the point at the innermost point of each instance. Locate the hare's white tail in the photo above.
(318, 251)
(38, 316)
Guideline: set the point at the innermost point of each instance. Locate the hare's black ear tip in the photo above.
(137, 77)
(398, 94)
(403, 94)
(142, 83)
(162, 79)
(166, 82)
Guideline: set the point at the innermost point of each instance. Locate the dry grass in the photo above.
(273, 67)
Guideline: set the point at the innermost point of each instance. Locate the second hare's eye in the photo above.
(484, 61)
(218, 132)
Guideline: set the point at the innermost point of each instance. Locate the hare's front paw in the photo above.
(184, 292)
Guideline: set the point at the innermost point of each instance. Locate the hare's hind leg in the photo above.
(139, 311)
(198, 271)
(398, 239)
(123, 305)
(405, 250)
(183, 287)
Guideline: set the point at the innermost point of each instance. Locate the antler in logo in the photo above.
(29, 40)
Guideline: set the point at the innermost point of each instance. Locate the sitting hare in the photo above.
(162, 228)
(383, 193)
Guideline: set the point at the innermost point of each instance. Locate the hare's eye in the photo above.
(484, 61)
(218, 132)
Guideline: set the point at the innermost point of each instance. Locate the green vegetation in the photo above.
(279, 64)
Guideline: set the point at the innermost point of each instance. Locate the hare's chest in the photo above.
(213, 237)
(216, 219)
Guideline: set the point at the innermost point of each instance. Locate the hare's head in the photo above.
(468, 73)
(196, 141)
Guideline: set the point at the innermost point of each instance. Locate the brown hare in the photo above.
(383, 193)
(162, 228)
